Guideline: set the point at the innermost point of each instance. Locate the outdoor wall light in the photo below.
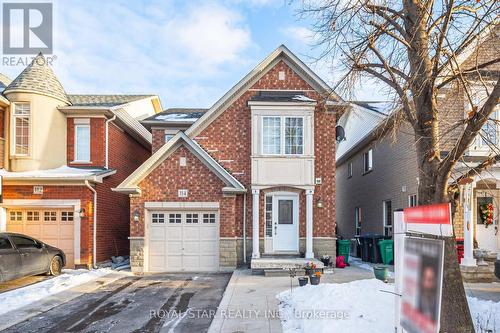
(319, 203)
(81, 212)
(136, 216)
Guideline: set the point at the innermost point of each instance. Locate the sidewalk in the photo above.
(250, 305)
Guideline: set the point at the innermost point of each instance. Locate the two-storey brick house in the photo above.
(60, 156)
(253, 175)
(376, 175)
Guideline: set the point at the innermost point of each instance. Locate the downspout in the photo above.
(107, 139)
(245, 228)
(94, 252)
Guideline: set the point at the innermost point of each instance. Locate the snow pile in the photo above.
(358, 306)
(485, 314)
(303, 98)
(61, 172)
(21, 297)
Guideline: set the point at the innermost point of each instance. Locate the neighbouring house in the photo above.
(252, 176)
(378, 174)
(60, 155)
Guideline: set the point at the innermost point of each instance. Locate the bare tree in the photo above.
(416, 48)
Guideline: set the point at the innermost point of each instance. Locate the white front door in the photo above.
(486, 235)
(286, 223)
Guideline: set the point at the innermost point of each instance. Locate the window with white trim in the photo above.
(50, 216)
(368, 161)
(191, 218)
(174, 218)
(32, 216)
(357, 220)
(488, 137)
(67, 216)
(349, 170)
(21, 129)
(269, 215)
(82, 142)
(282, 135)
(412, 200)
(157, 218)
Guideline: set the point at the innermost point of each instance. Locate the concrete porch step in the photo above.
(282, 272)
(282, 263)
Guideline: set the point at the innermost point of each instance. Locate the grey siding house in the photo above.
(374, 176)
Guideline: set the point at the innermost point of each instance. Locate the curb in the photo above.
(218, 321)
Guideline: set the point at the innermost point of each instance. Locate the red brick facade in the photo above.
(228, 140)
(113, 209)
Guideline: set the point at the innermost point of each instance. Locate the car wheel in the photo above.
(55, 266)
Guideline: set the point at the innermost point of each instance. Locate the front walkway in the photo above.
(250, 304)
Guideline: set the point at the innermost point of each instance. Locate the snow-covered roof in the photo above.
(359, 122)
(62, 173)
(176, 117)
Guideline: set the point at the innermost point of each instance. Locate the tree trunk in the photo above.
(432, 189)
(455, 314)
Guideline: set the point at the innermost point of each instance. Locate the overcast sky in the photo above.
(188, 52)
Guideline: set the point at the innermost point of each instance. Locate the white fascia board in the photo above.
(291, 104)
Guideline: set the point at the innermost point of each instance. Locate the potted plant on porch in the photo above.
(315, 278)
(311, 268)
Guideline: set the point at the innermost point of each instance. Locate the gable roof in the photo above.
(38, 77)
(281, 53)
(103, 100)
(131, 183)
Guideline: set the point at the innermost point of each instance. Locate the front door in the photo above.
(285, 223)
(486, 234)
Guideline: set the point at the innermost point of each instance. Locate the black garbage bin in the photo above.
(373, 248)
(365, 248)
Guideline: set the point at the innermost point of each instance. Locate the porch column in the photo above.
(255, 224)
(309, 224)
(468, 203)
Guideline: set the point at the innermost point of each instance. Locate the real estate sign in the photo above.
(422, 282)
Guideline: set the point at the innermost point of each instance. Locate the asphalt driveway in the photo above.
(152, 303)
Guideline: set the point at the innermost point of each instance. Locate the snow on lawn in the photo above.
(70, 278)
(359, 306)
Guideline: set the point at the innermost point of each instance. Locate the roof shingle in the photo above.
(38, 77)
(103, 100)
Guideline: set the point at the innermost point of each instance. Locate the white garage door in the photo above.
(183, 241)
(52, 226)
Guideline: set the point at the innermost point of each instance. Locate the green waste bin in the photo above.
(387, 251)
(343, 246)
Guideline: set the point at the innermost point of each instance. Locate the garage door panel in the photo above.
(191, 233)
(191, 247)
(208, 233)
(208, 247)
(174, 247)
(157, 234)
(190, 243)
(174, 232)
(174, 263)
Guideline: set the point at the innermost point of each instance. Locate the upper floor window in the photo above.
(82, 142)
(387, 209)
(368, 161)
(21, 131)
(349, 170)
(282, 135)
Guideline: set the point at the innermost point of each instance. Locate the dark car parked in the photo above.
(21, 255)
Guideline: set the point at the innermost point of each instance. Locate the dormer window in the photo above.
(488, 136)
(21, 133)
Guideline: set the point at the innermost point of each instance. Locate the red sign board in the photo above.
(430, 214)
